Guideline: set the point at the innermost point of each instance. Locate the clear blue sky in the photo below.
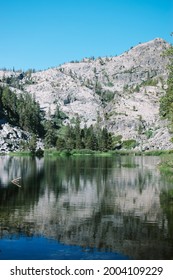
(44, 33)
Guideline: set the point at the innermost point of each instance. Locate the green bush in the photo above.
(149, 133)
(150, 82)
(117, 138)
(82, 152)
(129, 144)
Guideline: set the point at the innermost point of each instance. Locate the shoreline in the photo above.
(83, 152)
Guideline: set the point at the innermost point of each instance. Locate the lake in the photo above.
(85, 208)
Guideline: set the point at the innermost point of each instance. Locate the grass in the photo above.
(38, 153)
(129, 144)
(77, 152)
(87, 152)
(55, 153)
(158, 152)
(166, 166)
(20, 154)
(127, 152)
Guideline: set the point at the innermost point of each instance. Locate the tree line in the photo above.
(166, 102)
(92, 138)
(22, 110)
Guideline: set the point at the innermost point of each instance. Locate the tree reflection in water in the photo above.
(113, 204)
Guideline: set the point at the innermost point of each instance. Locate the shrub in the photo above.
(129, 144)
(149, 133)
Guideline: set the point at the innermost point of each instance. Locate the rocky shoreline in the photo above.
(13, 139)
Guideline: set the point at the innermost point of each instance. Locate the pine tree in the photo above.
(91, 139)
(166, 102)
(77, 131)
(32, 145)
(60, 144)
(70, 138)
(24, 111)
(58, 117)
(106, 140)
(50, 138)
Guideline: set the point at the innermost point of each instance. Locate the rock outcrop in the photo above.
(12, 138)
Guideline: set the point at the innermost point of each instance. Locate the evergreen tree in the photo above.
(166, 103)
(50, 138)
(82, 135)
(58, 117)
(77, 132)
(29, 114)
(60, 144)
(70, 138)
(32, 145)
(21, 110)
(105, 143)
(9, 103)
(91, 139)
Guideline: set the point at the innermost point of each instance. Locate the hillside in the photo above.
(123, 92)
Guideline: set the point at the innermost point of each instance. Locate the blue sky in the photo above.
(44, 33)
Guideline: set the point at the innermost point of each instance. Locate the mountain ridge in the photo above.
(124, 91)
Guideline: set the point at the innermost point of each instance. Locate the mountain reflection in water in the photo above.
(113, 206)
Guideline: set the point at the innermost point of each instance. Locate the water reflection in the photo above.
(111, 204)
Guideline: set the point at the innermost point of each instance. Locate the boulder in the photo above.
(11, 137)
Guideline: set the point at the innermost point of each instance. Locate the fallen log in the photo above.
(16, 182)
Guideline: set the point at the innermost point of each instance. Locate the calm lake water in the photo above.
(85, 208)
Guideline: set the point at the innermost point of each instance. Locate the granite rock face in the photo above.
(124, 91)
(11, 138)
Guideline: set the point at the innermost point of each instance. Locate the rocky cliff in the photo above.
(122, 91)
